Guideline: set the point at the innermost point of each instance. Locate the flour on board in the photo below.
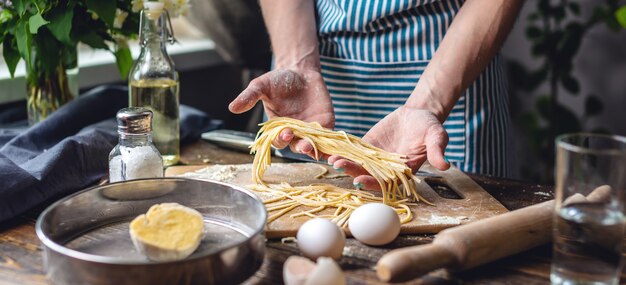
(222, 173)
(443, 220)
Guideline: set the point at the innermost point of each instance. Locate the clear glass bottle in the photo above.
(153, 81)
(135, 156)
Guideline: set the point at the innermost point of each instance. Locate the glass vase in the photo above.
(47, 89)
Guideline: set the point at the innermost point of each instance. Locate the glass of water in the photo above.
(588, 229)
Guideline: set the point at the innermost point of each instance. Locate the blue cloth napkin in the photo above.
(69, 150)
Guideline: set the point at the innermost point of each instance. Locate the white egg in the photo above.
(320, 237)
(298, 270)
(326, 272)
(374, 224)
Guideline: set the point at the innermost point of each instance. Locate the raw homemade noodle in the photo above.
(389, 169)
(320, 197)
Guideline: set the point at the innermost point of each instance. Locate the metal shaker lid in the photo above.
(134, 120)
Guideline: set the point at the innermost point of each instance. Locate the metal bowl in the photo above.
(86, 238)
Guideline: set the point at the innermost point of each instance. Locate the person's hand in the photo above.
(298, 94)
(415, 133)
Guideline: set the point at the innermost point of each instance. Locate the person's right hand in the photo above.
(298, 94)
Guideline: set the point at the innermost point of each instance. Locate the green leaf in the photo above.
(593, 105)
(24, 39)
(539, 48)
(104, 8)
(606, 15)
(544, 6)
(570, 42)
(529, 122)
(570, 84)
(574, 7)
(70, 57)
(61, 24)
(10, 53)
(536, 78)
(48, 52)
(21, 6)
(94, 40)
(533, 32)
(543, 106)
(562, 119)
(566, 120)
(124, 61)
(523, 79)
(559, 13)
(553, 39)
(35, 22)
(620, 16)
(5, 16)
(517, 71)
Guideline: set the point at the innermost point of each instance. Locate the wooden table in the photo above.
(21, 262)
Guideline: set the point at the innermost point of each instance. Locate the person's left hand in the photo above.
(415, 133)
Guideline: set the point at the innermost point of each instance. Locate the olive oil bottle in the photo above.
(161, 96)
(153, 81)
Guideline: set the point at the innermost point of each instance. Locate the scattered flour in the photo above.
(543, 194)
(286, 82)
(435, 219)
(222, 173)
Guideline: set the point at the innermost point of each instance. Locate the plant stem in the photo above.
(551, 28)
(47, 93)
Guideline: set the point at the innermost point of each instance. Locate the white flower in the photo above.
(174, 7)
(120, 17)
(179, 7)
(137, 5)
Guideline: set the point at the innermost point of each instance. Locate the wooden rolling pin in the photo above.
(477, 243)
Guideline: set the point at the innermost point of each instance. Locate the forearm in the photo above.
(473, 38)
(292, 28)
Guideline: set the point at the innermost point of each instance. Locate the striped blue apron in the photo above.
(372, 55)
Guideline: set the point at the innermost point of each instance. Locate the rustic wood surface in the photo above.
(21, 262)
(472, 203)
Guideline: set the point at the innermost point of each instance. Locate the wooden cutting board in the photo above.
(470, 204)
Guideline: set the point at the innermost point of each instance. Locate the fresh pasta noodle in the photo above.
(389, 169)
(319, 197)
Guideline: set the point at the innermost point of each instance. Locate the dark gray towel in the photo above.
(69, 150)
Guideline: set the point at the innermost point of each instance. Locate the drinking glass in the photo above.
(588, 229)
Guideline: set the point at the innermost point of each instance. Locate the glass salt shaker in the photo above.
(135, 156)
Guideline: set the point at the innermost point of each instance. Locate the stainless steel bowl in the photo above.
(86, 238)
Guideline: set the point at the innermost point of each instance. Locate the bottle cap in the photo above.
(134, 120)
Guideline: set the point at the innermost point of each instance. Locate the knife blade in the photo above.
(231, 139)
(241, 141)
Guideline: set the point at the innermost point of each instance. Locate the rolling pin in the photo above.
(477, 243)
